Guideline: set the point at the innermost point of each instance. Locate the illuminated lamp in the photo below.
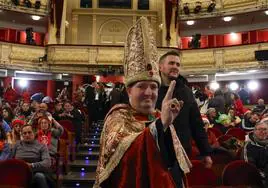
(234, 86)
(186, 9)
(198, 7)
(253, 85)
(214, 86)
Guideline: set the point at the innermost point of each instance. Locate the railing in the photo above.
(30, 8)
(223, 7)
(88, 59)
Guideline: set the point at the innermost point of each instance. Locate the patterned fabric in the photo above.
(141, 58)
(120, 129)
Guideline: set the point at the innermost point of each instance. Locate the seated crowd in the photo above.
(31, 132)
(232, 128)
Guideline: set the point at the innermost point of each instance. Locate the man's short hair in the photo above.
(172, 52)
(261, 123)
(26, 125)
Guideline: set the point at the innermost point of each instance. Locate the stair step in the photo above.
(84, 166)
(93, 140)
(78, 179)
(94, 134)
(89, 147)
(90, 155)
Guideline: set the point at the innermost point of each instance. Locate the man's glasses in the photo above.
(261, 129)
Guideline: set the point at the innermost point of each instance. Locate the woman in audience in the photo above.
(235, 120)
(4, 146)
(49, 133)
(8, 115)
(24, 111)
(238, 105)
(212, 115)
(16, 131)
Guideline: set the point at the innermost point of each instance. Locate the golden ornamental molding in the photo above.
(84, 59)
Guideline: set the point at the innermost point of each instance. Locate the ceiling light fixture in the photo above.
(227, 18)
(190, 22)
(266, 12)
(36, 17)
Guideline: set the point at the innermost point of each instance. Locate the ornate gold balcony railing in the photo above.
(88, 59)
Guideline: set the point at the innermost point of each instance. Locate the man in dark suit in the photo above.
(188, 123)
(90, 99)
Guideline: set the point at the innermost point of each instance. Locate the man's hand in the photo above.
(207, 161)
(30, 165)
(170, 106)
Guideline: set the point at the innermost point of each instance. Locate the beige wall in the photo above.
(84, 33)
(107, 26)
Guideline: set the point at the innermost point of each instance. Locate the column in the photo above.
(77, 81)
(95, 3)
(62, 29)
(94, 30)
(51, 88)
(74, 28)
(134, 4)
(51, 39)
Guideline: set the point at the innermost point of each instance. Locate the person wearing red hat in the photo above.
(11, 95)
(16, 131)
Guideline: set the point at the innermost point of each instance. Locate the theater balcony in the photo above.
(91, 59)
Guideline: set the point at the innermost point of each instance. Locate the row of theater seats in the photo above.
(235, 174)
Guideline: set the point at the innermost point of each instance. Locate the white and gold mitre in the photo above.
(141, 57)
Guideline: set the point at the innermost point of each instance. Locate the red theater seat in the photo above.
(216, 132)
(201, 176)
(241, 173)
(238, 133)
(15, 173)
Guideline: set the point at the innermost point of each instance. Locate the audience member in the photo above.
(36, 155)
(217, 102)
(250, 120)
(17, 124)
(8, 115)
(255, 149)
(260, 107)
(4, 146)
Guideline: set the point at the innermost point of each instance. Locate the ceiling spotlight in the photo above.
(253, 85)
(266, 12)
(212, 6)
(214, 85)
(233, 86)
(186, 9)
(36, 17)
(227, 18)
(198, 7)
(190, 22)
